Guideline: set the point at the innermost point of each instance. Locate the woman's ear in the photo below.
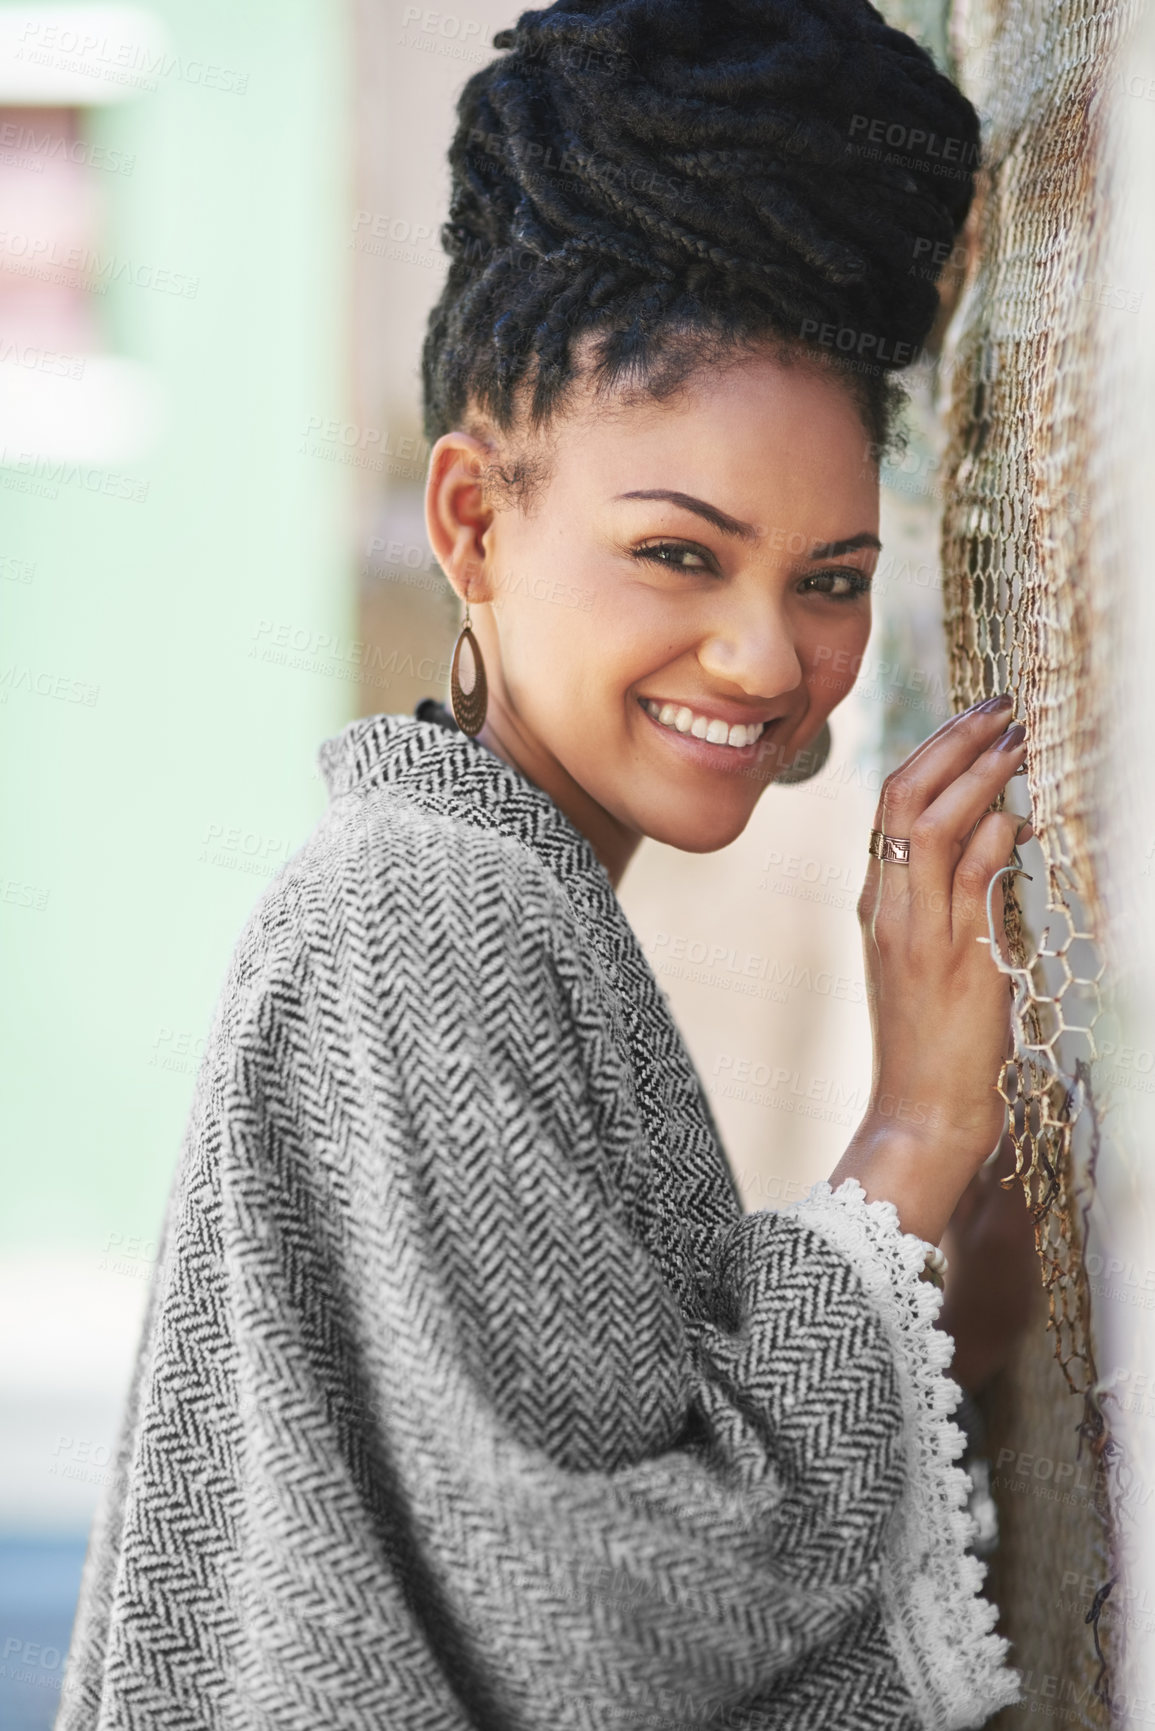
(458, 515)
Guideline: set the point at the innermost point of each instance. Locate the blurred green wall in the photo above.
(140, 828)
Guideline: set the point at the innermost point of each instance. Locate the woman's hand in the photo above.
(939, 1006)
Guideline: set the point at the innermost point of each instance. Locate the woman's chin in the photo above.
(697, 832)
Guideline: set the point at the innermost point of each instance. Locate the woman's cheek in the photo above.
(835, 665)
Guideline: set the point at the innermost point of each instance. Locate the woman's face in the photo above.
(707, 559)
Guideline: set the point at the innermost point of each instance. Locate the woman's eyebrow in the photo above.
(720, 519)
(734, 526)
(831, 549)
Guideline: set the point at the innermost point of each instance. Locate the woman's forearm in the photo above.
(923, 1175)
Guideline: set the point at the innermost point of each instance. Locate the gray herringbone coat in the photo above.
(467, 1395)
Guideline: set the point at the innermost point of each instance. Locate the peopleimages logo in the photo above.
(914, 140)
(867, 345)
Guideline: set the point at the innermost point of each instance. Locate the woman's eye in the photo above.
(843, 585)
(671, 553)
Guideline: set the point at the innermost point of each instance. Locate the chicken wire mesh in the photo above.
(1026, 594)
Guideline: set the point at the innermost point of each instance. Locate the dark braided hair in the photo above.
(680, 180)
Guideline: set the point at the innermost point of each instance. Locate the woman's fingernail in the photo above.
(1024, 832)
(1003, 701)
(1013, 737)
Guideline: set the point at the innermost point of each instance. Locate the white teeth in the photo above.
(714, 731)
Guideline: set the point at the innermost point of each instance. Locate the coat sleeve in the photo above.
(627, 1506)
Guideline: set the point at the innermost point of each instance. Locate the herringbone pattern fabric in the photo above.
(468, 1396)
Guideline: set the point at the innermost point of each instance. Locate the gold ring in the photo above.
(895, 848)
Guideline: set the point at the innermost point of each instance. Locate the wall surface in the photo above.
(176, 643)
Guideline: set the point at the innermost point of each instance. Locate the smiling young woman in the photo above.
(469, 1395)
(721, 543)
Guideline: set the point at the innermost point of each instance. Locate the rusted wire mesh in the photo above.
(1019, 572)
(1027, 610)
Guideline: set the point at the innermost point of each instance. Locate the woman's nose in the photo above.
(755, 651)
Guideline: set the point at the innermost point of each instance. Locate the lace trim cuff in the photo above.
(941, 1632)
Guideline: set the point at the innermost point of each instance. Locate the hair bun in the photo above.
(654, 166)
(806, 153)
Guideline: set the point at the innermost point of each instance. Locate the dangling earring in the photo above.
(807, 763)
(468, 706)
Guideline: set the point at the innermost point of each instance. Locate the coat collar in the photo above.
(446, 771)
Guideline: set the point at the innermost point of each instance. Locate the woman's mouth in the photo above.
(705, 738)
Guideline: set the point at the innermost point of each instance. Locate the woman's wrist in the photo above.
(921, 1173)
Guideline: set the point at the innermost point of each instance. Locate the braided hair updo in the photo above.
(680, 180)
